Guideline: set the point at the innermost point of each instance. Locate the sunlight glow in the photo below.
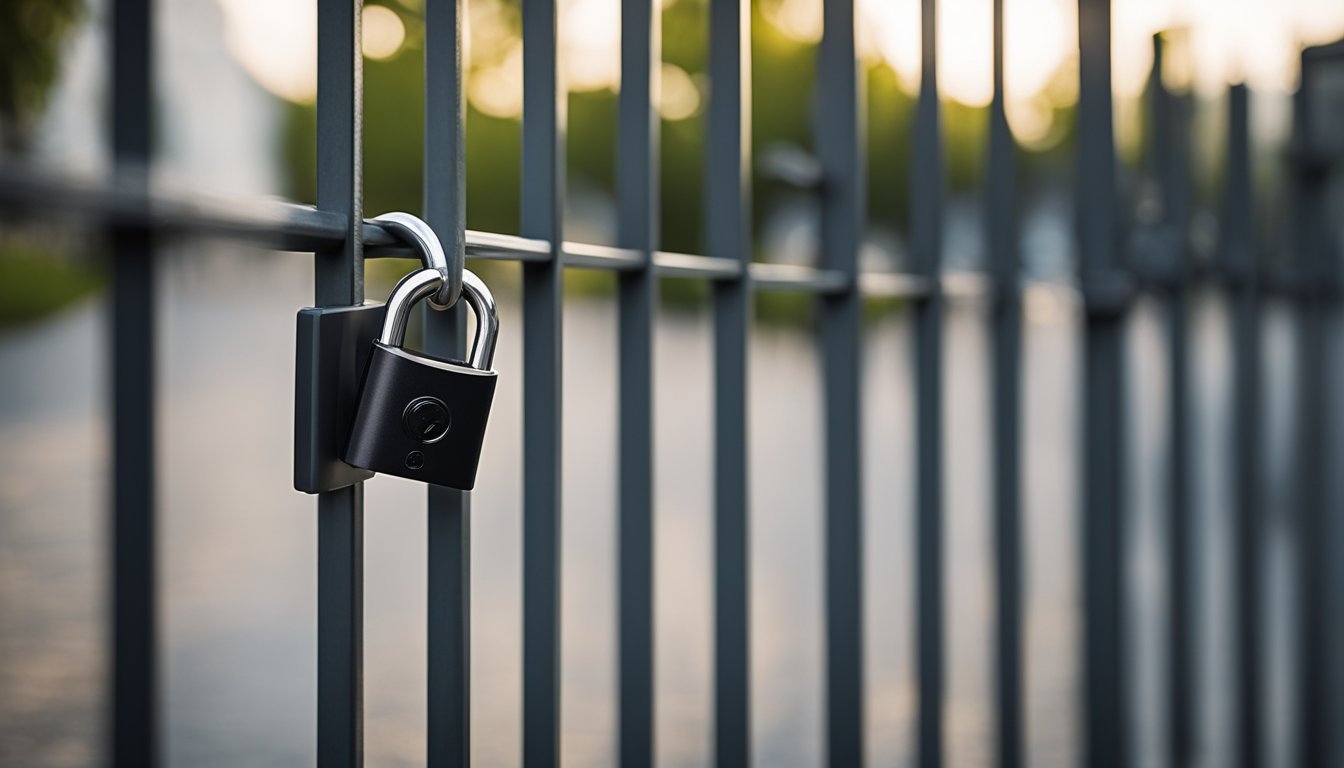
(1031, 120)
(798, 19)
(498, 90)
(1227, 40)
(1039, 38)
(680, 97)
(276, 42)
(1230, 39)
(590, 44)
(383, 32)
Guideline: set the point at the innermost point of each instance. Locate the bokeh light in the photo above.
(275, 40)
(384, 32)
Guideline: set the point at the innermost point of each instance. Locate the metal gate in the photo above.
(1117, 262)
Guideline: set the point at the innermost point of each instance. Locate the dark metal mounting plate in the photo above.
(332, 349)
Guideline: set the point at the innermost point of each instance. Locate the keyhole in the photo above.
(427, 419)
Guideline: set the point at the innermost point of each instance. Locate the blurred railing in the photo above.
(1117, 262)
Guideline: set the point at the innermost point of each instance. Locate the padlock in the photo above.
(421, 417)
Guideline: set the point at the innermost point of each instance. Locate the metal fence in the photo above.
(1117, 262)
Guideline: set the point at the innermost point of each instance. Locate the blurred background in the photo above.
(234, 115)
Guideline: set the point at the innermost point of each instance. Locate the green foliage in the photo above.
(782, 83)
(782, 75)
(494, 172)
(31, 35)
(889, 135)
(682, 149)
(683, 292)
(966, 138)
(36, 281)
(784, 308)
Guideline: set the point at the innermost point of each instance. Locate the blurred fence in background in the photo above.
(1140, 238)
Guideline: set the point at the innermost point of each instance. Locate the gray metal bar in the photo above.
(1168, 160)
(128, 200)
(1313, 531)
(487, 245)
(892, 285)
(448, 678)
(586, 256)
(340, 281)
(1103, 423)
(1004, 261)
(967, 286)
(340, 618)
(704, 267)
(290, 226)
(637, 195)
(1316, 707)
(1239, 256)
(799, 279)
(1063, 288)
(135, 611)
(926, 217)
(449, 619)
(380, 243)
(134, 642)
(839, 148)
(542, 196)
(728, 241)
(1181, 534)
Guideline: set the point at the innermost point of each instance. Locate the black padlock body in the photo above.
(382, 438)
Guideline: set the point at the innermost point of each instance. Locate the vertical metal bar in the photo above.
(448, 702)
(839, 145)
(1239, 254)
(1003, 250)
(1168, 162)
(1103, 423)
(637, 193)
(728, 235)
(340, 281)
(134, 694)
(1313, 524)
(1312, 528)
(542, 191)
(926, 222)
(449, 618)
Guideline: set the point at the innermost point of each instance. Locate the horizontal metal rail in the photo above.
(126, 200)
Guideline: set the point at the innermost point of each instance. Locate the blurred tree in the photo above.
(782, 77)
(32, 33)
(38, 273)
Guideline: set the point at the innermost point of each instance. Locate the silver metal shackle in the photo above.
(482, 303)
(424, 283)
(432, 255)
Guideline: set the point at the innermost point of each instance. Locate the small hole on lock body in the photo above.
(415, 460)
